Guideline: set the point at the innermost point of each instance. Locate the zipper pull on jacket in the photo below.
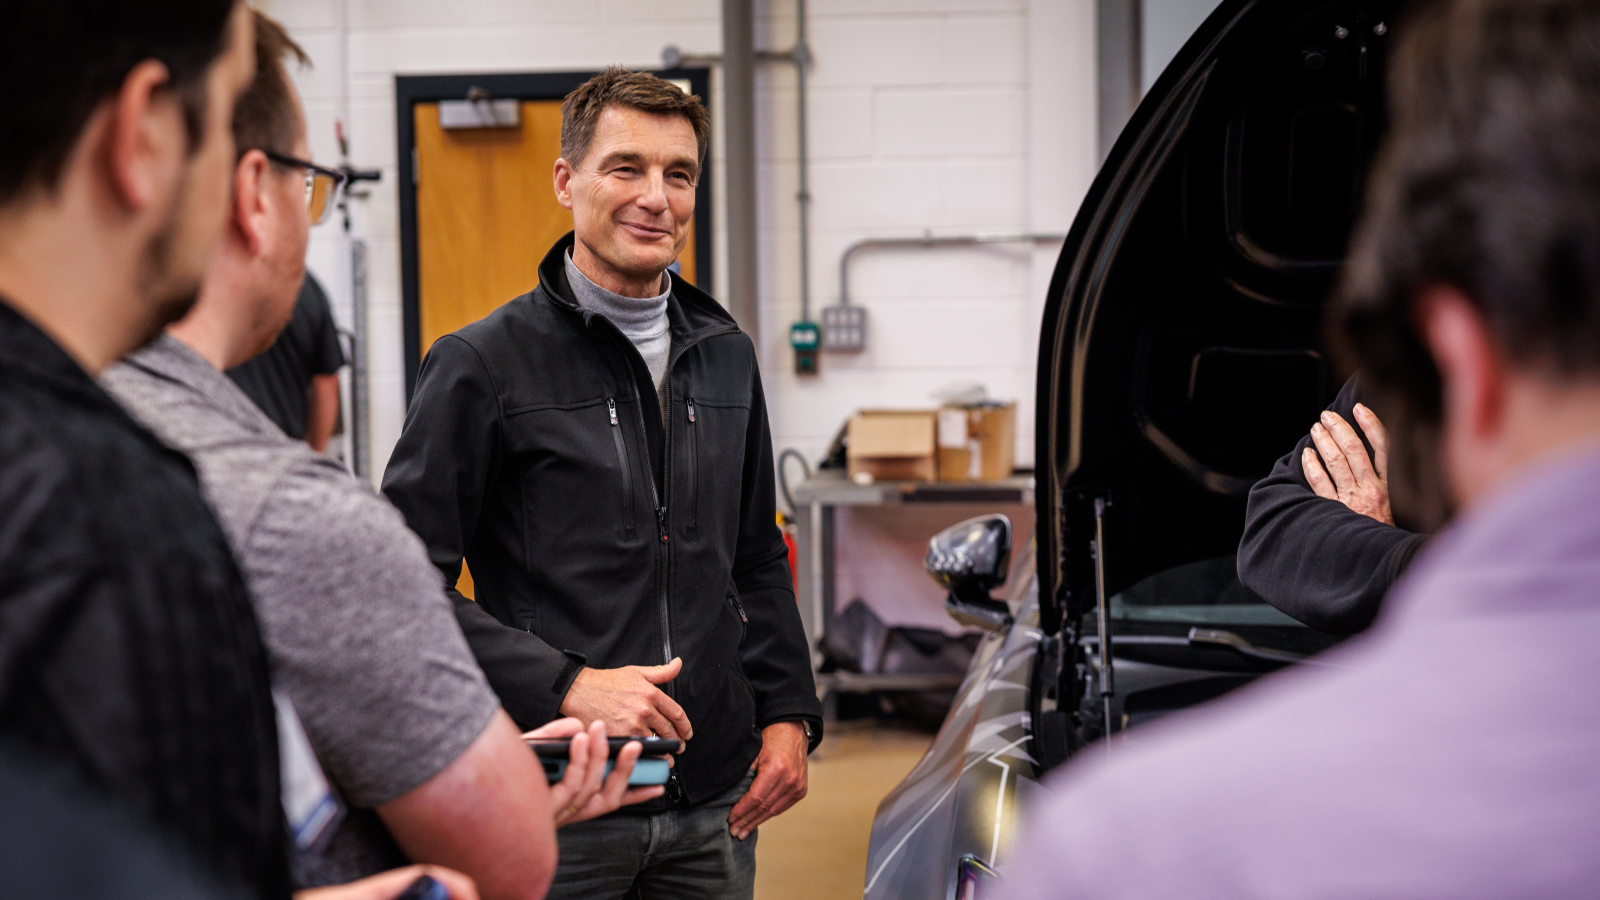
(611, 407)
(691, 409)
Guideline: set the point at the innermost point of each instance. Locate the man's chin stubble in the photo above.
(165, 301)
(166, 304)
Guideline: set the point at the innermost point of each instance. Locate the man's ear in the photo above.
(563, 180)
(1472, 365)
(250, 214)
(145, 140)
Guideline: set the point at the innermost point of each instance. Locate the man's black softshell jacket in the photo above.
(1314, 558)
(534, 447)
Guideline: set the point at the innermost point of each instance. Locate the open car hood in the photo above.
(1181, 350)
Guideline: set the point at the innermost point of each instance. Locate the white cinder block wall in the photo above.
(949, 116)
(954, 116)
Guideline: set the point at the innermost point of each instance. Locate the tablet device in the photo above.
(424, 888)
(652, 767)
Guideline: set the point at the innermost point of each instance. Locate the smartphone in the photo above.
(424, 888)
(652, 767)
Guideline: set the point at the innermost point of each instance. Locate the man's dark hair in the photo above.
(265, 117)
(60, 58)
(1488, 182)
(617, 86)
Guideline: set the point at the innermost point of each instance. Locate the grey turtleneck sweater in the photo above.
(643, 321)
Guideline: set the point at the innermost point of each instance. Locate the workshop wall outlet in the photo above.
(805, 339)
(844, 329)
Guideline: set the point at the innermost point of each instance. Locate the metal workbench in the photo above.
(815, 501)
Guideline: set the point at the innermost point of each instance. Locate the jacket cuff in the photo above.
(813, 727)
(568, 674)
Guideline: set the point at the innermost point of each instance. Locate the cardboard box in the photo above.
(892, 445)
(977, 443)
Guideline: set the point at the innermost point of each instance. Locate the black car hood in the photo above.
(1181, 350)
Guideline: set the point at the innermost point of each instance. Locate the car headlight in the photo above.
(975, 879)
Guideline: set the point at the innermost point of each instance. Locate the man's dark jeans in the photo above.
(679, 853)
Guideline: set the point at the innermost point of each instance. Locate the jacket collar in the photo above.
(691, 313)
(171, 360)
(31, 354)
(27, 350)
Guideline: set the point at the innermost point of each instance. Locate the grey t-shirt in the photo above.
(355, 619)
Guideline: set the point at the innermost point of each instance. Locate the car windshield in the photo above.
(1205, 593)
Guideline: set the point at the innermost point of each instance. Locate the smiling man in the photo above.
(597, 450)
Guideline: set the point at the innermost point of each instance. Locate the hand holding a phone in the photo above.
(400, 884)
(585, 791)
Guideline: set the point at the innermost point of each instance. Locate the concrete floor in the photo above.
(818, 849)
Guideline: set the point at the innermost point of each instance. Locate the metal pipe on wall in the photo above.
(801, 55)
(738, 34)
(739, 149)
(1120, 45)
(927, 241)
(359, 417)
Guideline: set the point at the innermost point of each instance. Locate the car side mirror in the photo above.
(970, 559)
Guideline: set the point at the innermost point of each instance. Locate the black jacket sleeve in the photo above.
(445, 461)
(775, 657)
(1314, 558)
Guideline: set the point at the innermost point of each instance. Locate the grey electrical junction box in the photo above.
(844, 328)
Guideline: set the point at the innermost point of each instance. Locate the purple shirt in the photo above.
(1452, 752)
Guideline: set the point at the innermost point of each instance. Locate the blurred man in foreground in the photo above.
(1450, 752)
(129, 655)
(131, 670)
(359, 632)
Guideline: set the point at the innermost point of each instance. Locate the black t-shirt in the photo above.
(279, 379)
(129, 651)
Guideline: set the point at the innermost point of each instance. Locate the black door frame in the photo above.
(409, 90)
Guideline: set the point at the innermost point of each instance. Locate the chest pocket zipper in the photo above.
(692, 520)
(627, 471)
(744, 620)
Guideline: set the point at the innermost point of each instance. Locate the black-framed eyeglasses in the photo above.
(322, 184)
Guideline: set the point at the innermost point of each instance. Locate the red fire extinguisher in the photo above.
(787, 526)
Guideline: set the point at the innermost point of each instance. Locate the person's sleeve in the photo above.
(444, 463)
(1316, 559)
(361, 635)
(775, 657)
(327, 357)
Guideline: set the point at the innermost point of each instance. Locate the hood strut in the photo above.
(1102, 611)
